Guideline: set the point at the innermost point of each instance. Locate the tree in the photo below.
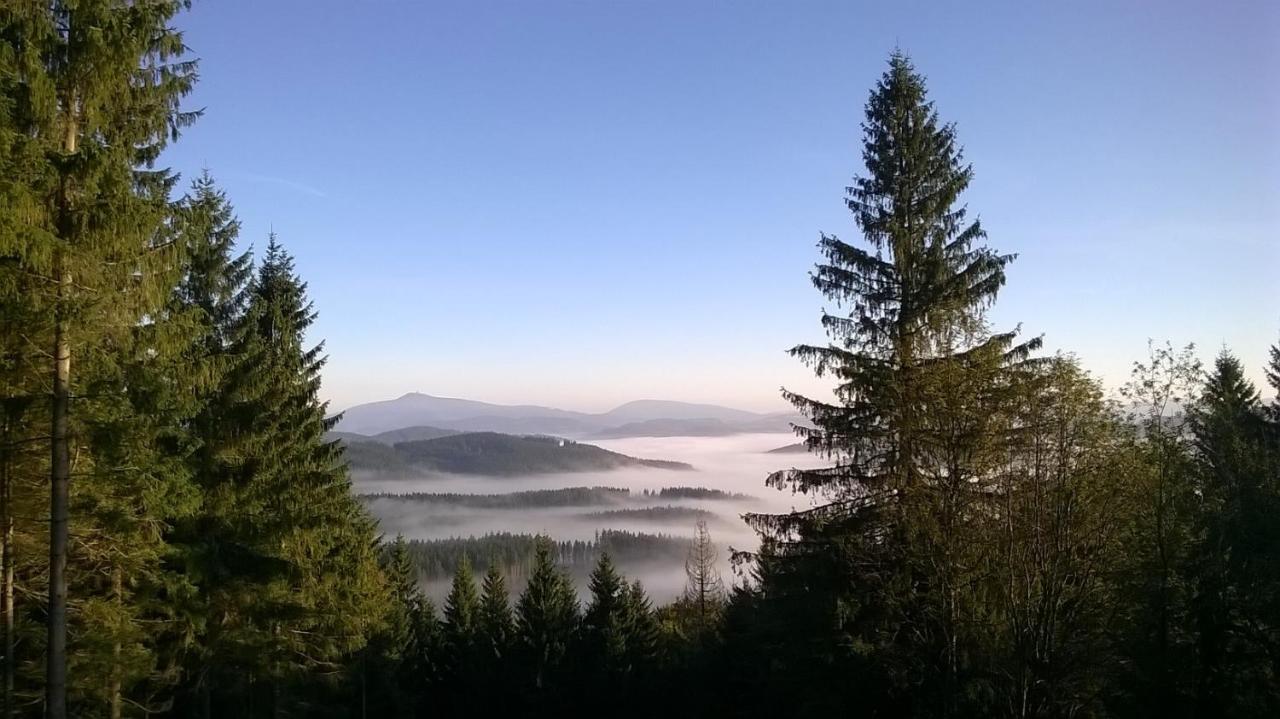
(96, 99)
(461, 629)
(1154, 589)
(604, 630)
(913, 429)
(1238, 537)
(704, 589)
(495, 623)
(388, 664)
(546, 619)
(1063, 505)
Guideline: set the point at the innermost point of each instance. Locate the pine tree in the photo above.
(913, 428)
(546, 619)
(96, 99)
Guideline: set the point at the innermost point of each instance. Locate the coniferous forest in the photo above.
(995, 535)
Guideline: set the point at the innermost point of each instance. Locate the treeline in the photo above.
(515, 554)
(530, 499)
(549, 653)
(564, 497)
(664, 513)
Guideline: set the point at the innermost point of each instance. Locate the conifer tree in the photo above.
(604, 623)
(100, 84)
(912, 429)
(642, 627)
(461, 627)
(1239, 538)
(546, 619)
(495, 623)
(495, 634)
(387, 678)
(704, 589)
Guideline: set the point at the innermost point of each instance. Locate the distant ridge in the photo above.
(641, 418)
(490, 454)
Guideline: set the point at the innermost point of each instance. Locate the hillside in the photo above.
(492, 454)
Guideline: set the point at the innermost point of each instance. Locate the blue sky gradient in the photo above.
(583, 203)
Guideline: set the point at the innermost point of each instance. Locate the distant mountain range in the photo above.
(422, 413)
(487, 453)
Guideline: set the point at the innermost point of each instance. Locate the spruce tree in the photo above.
(604, 623)
(96, 97)
(495, 624)
(546, 620)
(461, 627)
(495, 635)
(912, 429)
(704, 590)
(1239, 538)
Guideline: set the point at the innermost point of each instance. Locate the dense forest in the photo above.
(994, 535)
(491, 454)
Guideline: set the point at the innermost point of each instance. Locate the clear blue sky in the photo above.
(582, 203)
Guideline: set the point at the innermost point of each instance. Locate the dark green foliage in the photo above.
(914, 428)
(1237, 564)
(493, 454)
(567, 497)
(496, 624)
(546, 623)
(665, 513)
(516, 554)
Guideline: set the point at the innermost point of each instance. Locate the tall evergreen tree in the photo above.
(495, 635)
(912, 429)
(546, 619)
(461, 629)
(96, 99)
(495, 623)
(1239, 538)
(604, 623)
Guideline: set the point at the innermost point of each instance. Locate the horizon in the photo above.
(645, 224)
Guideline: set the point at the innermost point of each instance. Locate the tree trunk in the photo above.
(60, 473)
(6, 561)
(60, 480)
(117, 586)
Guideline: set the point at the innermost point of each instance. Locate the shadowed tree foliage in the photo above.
(914, 426)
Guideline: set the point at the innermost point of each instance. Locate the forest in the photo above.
(994, 535)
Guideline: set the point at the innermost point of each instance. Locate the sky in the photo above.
(583, 203)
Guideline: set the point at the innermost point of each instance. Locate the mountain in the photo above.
(491, 454)
(695, 427)
(642, 418)
(415, 409)
(648, 410)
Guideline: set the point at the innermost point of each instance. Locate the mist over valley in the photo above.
(447, 514)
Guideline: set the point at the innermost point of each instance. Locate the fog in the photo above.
(735, 464)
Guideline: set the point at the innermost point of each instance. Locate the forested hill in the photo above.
(491, 454)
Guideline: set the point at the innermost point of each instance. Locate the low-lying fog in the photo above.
(735, 464)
